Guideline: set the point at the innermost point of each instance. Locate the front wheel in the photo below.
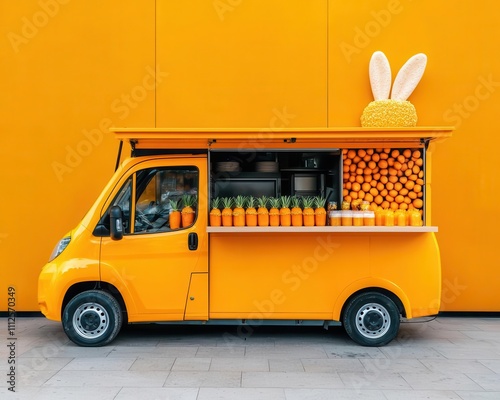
(92, 318)
(371, 319)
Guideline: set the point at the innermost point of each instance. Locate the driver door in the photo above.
(155, 267)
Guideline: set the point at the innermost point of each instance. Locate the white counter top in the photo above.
(329, 229)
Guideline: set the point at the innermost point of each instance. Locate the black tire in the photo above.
(92, 318)
(371, 319)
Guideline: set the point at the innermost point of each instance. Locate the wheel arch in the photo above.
(389, 294)
(80, 287)
(394, 292)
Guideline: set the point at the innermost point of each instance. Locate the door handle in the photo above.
(193, 241)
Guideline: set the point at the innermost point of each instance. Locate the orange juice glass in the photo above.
(369, 218)
(357, 218)
(346, 218)
(400, 217)
(335, 218)
(389, 218)
(415, 218)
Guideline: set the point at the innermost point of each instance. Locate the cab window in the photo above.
(148, 197)
(158, 191)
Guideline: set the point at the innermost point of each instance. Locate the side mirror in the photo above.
(116, 223)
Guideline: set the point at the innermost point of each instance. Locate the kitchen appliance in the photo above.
(254, 184)
(308, 184)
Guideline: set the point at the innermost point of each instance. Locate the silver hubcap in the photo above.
(90, 320)
(373, 321)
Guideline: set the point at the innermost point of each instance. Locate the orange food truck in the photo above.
(305, 226)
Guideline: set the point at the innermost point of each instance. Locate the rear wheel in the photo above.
(371, 319)
(92, 318)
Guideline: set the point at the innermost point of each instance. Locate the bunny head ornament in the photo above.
(396, 111)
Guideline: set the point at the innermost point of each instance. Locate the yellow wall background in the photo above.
(70, 69)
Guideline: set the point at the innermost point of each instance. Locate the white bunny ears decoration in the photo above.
(396, 111)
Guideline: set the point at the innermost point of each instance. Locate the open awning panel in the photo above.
(298, 138)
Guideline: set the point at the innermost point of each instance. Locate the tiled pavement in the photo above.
(446, 358)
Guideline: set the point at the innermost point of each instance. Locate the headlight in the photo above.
(63, 243)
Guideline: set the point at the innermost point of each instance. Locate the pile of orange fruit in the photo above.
(386, 178)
